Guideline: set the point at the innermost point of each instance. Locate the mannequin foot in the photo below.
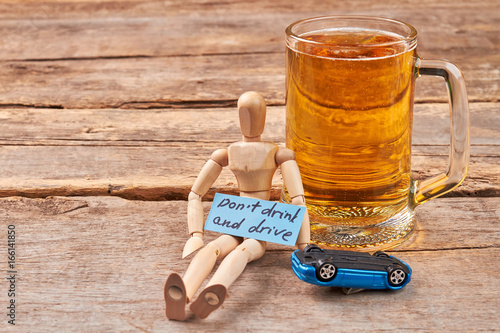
(175, 298)
(210, 299)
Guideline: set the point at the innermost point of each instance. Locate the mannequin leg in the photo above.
(230, 269)
(179, 291)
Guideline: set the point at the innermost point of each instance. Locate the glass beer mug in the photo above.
(349, 110)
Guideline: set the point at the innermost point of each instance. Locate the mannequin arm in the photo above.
(208, 175)
(291, 177)
(304, 237)
(195, 224)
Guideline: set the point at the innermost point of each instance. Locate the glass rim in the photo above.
(410, 38)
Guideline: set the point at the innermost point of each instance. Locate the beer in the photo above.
(349, 111)
(350, 83)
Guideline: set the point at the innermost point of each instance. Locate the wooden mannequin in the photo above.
(254, 163)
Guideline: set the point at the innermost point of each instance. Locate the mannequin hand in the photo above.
(193, 244)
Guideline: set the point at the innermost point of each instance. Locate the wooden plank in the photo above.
(99, 264)
(93, 29)
(456, 30)
(163, 173)
(435, 224)
(159, 127)
(249, 36)
(156, 154)
(200, 81)
(84, 9)
(160, 173)
(146, 82)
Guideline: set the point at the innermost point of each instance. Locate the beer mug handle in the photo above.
(459, 148)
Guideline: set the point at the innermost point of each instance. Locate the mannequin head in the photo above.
(252, 111)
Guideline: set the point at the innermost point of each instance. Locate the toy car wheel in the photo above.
(312, 248)
(397, 277)
(381, 254)
(326, 272)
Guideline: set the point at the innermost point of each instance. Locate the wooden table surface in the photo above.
(109, 109)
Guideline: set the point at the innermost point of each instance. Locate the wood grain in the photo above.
(111, 127)
(130, 54)
(149, 174)
(99, 264)
(200, 81)
(95, 29)
(156, 154)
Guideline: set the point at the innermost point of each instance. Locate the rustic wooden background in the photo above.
(108, 110)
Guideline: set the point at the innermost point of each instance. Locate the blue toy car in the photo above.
(349, 269)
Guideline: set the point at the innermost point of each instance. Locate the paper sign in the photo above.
(253, 218)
